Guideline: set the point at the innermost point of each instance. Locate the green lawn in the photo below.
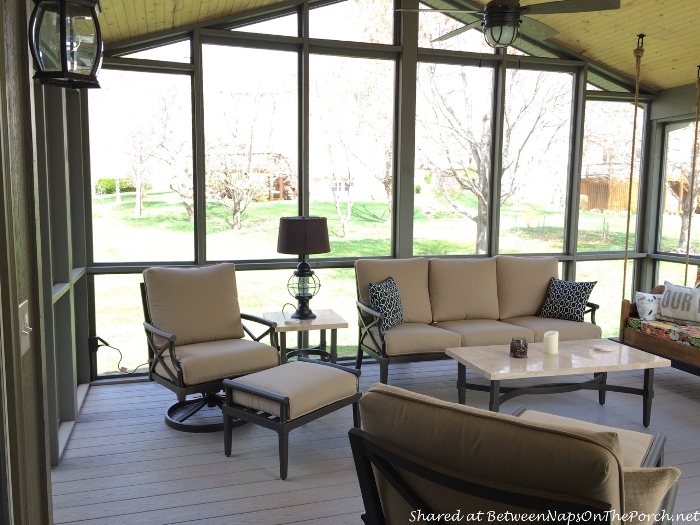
(165, 233)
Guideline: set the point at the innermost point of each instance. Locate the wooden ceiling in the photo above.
(672, 47)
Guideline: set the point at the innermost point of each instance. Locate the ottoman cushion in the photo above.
(308, 386)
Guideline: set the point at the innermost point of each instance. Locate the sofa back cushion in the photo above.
(195, 304)
(492, 447)
(411, 278)
(463, 289)
(523, 283)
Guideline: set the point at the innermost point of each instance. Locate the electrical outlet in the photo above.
(24, 329)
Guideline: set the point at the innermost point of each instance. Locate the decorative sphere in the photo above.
(303, 286)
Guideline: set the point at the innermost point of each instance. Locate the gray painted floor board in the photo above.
(123, 465)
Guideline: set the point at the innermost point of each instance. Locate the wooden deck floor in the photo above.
(122, 465)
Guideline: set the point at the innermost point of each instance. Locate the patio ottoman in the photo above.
(288, 396)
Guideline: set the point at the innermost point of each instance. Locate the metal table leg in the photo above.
(647, 395)
(461, 380)
(494, 395)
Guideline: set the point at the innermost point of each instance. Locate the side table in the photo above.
(325, 320)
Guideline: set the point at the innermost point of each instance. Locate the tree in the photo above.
(679, 164)
(175, 151)
(353, 113)
(141, 155)
(454, 124)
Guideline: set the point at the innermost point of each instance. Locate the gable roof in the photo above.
(608, 38)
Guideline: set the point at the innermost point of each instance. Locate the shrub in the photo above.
(108, 186)
(428, 178)
(417, 189)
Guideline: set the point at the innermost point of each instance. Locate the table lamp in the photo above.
(303, 236)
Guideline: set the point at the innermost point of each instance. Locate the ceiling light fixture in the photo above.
(66, 43)
(501, 24)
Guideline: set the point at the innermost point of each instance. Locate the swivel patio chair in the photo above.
(196, 339)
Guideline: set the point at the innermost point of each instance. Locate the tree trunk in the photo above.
(482, 229)
(688, 205)
(138, 208)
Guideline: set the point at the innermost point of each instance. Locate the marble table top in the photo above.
(325, 320)
(574, 357)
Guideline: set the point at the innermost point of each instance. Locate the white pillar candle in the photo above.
(551, 342)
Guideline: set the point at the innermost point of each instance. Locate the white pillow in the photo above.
(680, 304)
(647, 305)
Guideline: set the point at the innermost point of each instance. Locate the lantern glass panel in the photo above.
(49, 38)
(81, 39)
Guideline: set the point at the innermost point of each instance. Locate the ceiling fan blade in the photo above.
(457, 31)
(438, 11)
(537, 30)
(570, 6)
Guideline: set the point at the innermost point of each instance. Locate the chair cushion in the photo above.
(568, 330)
(384, 298)
(523, 283)
(635, 445)
(463, 289)
(195, 304)
(476, 332)
(645, 489)
(567, 300)
(492, 447)
(215, 360)
(417, 338)
(309, 386)
(411, 277)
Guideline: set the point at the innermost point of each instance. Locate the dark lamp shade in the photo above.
(303, 235)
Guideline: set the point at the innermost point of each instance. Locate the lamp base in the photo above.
(303, 310)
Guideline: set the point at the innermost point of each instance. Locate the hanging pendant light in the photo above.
(501, 24)
(66, 43)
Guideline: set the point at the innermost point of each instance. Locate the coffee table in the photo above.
(574, 357)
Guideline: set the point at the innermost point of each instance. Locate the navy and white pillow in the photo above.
(567, 300)
(648, 305)
(384, 298)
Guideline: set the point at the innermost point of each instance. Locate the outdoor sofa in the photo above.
(457, 302)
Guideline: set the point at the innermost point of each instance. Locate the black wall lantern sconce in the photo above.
(66, 43)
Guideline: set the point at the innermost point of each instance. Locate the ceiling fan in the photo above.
(501, 19)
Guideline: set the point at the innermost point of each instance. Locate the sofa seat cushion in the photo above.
(523, 283)
(494, 447)
(416, 338)
(177, 304)
(463, 289)
(215, 360)
(568, 330)
(635, 445)
(411, 278)
(483, 332)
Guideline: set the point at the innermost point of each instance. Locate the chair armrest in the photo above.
(271, 328)
(260, 320)
(362, 307)
(157, 331)
(592, 307)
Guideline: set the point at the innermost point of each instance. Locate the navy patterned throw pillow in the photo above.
(384, 298)
(567, 300)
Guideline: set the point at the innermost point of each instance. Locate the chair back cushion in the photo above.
(523, 283)
(411, 278)
(463, 289)
(195, 304)
(497, 448)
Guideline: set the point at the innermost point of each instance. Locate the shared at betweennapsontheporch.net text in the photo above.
(418, 516)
